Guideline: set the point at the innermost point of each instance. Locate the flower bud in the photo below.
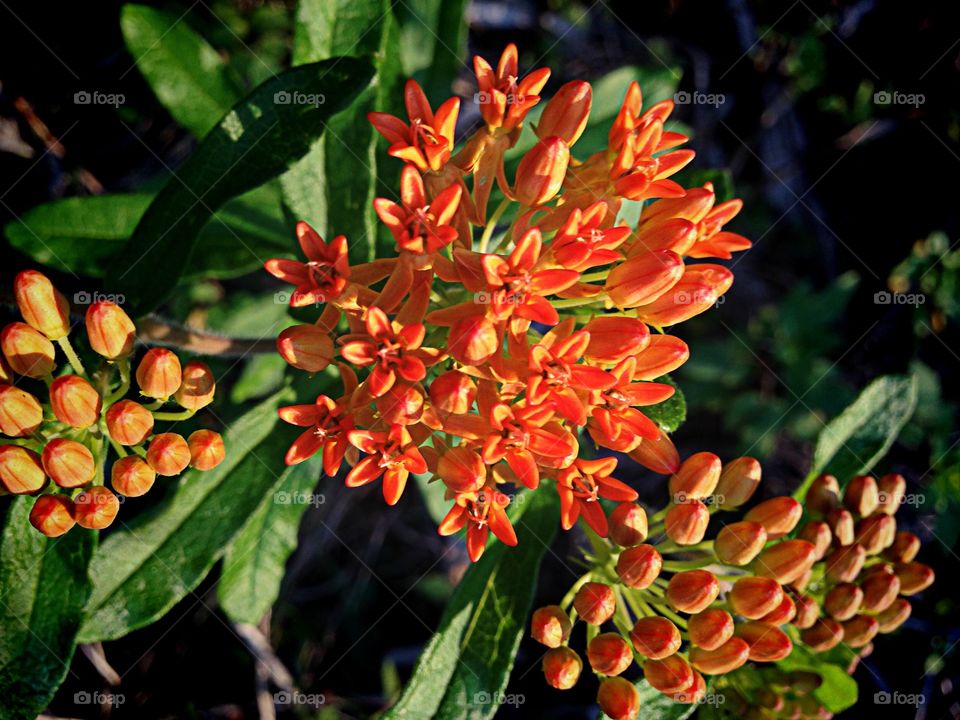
(95, 508)
(658, 455)
(131, 476)
(710, 629)
(462, 469)
(786, 561)
(41, 304)
(891, 489)
(52, 515)
(880, 589)
(541, 172)
(823, 495)
(801, 582)
(168, 454)
(74, 401)
(655, 637)
(566, 113)
(561, 668)
(696, 478)
(778, 515)
(473, 340)
(767, 643)
(609, 654)
(197, 387)
(402, 404)
(628, 525)
(738, 481)
(840, 521)
(206, 449)
(7, 375)
(754, 597)
(914, 577)
(740, 542)
(614, 338)
(638, 567)
(453, 392)
(825, 634)
(905, 547)
(663, 354)
(696, 292)
(845, 563)
(69, 463)
(21, 471)
(860, 630)
(843, 601)
(693, 694)
(692, 591)
(550, 626)
(686, 524)
(808, 610)
(819, 534)
(128, 422)
(110, 330)
(595, 603)
(642, 279)
(619, 699)
(729, 656)
(27, 351)
(862, 495)
(784, 612)
(894, 616)
(670, 675)
(20, 412)
(305, 347)
(159, 374)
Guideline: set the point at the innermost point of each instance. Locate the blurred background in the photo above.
(838, 123)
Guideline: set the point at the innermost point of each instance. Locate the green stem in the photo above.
(174, 416)
(681, 565)
(577, 302)
(492, 224)
(72, 356)
(568, 598)
(124, 367)
(590, 277)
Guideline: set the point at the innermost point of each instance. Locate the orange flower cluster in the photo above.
(57, 450)
(481, 359)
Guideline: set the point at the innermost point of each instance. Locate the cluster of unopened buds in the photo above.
(58, 421)
(685, 607)
(481, 360)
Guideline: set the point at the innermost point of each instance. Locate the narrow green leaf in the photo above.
(256, 141)
(468, 661)
(671, 413)
(43, 589)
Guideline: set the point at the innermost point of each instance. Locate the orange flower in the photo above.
(392, 454)
(323, 277)
(427, 140)
(503, 97)
(615, 422)
(555, 375)
(521, 438)
(420, 227)
(581, 486)
(328, 424)
(480, 512)
(582, 243)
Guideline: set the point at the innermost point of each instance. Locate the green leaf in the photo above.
(43, 589)
(254, 563)
(472, 653)
(671, 413)
(854, 441)
(433, 42)
(145, 567)
(838, 691)
(256, 141)
(187, 75)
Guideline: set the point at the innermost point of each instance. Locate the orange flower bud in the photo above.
(692, 591)
(52, 515)
(880, 589)
(110, 330)
(74, 401)
(823, 495)
(206, 449)
(767, 643)
(891, 489)
(550, 626)
(462, 469)
(27, 350)
(696, 292)
(754, 597)
(453, 392)
(628, 525)
(894, 616)
(860, 630)
(710, 629)
(95, 508)
(663, 354)
(639, 566)
(825, 634)
(843, 601)
(914, 577)
(862, 495)
(841, 525)
(687, 524)
(642, 279)
(801, 582)
(69, 463)
(786, 560)
(561, 667)
(696, 478)
(671, 675)
(905, 547)
(729, 656)
(402, 404)
(614, 338)
(609, 654)
(778, 515)
(619, 699)
(655, 637)
(41, 304)
(20, 412)
(738, 481)
(168, 454)
(819, 534)
(844, 563)
(128, 422)
(658, 455)
(740, 542)
(21, 471)
(566, 114)
(876, 532)
(473, 340)
(197, 387)
(158, 373)
(305, 347)
(784, 612)
(595, 603)
(693, 694)
(808, 610)
(131, 476)
(541, 172)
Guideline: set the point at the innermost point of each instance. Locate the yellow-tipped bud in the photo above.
(69, 463)
(110, 330)
(20, 412)
(43, 307)
(75, 401)
(159, 374)
(28, 351)
(21, 471)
